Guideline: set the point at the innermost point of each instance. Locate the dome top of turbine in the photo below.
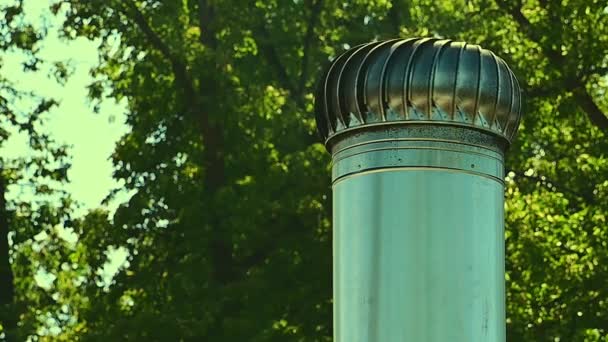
(418, 80)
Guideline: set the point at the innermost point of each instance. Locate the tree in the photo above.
(207, 176)
(228, 230)
(32, 206)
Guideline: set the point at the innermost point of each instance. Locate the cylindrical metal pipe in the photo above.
(417, 130)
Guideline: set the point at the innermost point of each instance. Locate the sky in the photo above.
(92, 136)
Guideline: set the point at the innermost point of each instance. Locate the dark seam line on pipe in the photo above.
(413, 168)
(336, 159)
(443, 141)
(374, 296)
(416, 140)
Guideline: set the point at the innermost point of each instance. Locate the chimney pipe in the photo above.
(417, 130)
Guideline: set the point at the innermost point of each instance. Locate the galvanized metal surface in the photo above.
(418, 257)
(412, 147)
(417, 129)
(419, 80)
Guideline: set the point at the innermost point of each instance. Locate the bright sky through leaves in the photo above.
(91, 136)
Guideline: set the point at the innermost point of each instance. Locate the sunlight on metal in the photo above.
(417, 129)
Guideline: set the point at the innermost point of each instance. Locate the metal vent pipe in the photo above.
(417, 130)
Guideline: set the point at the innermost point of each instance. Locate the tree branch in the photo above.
(211, 133)
(601, 71)
(544, 181)
(206, 14)
(539, 91)
(586, 102)
(272, 57)
(315, 12)
(178, 66)
(581, 95)
(8, 316)
(394, 17)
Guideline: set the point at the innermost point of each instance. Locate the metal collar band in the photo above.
(419, 147)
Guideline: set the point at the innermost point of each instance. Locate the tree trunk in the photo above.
(8, 317)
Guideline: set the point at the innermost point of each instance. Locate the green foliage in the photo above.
(34, 211)
(228, 229)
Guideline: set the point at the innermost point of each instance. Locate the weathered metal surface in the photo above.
(416, 81)
(418, 257)
(417, 129)
(401, 147)
(418, 238)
